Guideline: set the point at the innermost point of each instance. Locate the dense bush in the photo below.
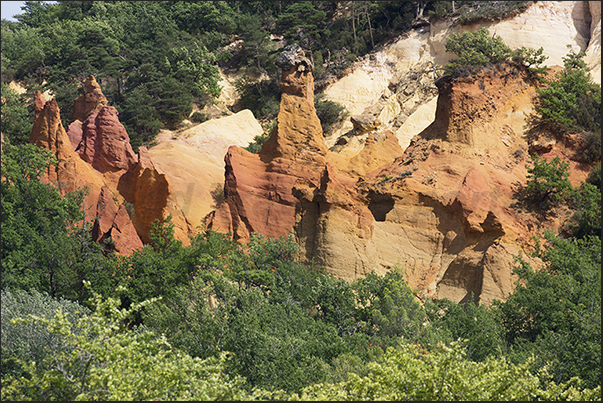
(17, 120)
(477, 49)
(329, 113)
(557, 311)
(27, 341)
(105, 361)
(45, 244)
(571, 102)
(548, 182)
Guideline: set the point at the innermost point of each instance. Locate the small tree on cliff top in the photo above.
(478, 49)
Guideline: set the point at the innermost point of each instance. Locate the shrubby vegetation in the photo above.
(170, 316)
(571, 102)
(475, 50)
(224, 321)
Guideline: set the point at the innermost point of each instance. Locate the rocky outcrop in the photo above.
(96, 133)
(258, 187)
(593, 51)
(113, 227)
(149, 191)
(441, 210)
(193, 162)
(48, 132)
(397, 82)
(105, 163)
(101, 199)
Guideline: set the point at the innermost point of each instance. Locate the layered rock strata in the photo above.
(442, 210)
(258, 187)
(104, 163)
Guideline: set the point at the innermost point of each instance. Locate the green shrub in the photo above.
(199, 117)
(571, 101)
(476, 49)
(106, 361)
(329, 112)
(548, 182)
(25, 342)
(16, 120)
(410, 372)
(258, 141)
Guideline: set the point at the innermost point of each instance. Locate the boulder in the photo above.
(365, 122)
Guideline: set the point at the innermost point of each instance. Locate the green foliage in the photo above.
(557, 311)
(548, 182)
(412, 373)
(587, 202)
(472, 11)
(105, 361)
(262, 97)
(329, 112)
(157, 268)
(303, 23)
(258, 141)
(475, 49)
(532, 59)
(572, 102)
(24, 342)
(120, 44)
(198, 117)
(478, 324)
(16, 120)
(45, 245)
(388, 306)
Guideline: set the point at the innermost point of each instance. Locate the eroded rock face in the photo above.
(48, 132)
(105, 162)
(91, 102)
(442, 210)
(113, 221)
(258, 187)
(96, 133)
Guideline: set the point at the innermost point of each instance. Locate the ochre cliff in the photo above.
(258, 187)
(423, 176)
(444, 210)
(104, 163)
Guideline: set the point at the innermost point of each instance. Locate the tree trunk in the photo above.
(353, 25)
(370, 29)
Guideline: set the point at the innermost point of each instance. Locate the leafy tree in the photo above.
(157, 268)
(572, 102)
(548, 182)
(46, 244)
(411, 373)
(479, 325)
(476, 49)
(16, 120)
(36, 222)
(587, 219)
(557, 311)
(303, 23)
(24, 342)
(329, 112)
(388, 306)
(105, 361)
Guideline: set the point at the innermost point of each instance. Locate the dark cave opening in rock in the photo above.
(380, 206)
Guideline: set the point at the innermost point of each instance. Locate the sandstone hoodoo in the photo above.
(104, 163)
(258, 187)
(96, 133)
